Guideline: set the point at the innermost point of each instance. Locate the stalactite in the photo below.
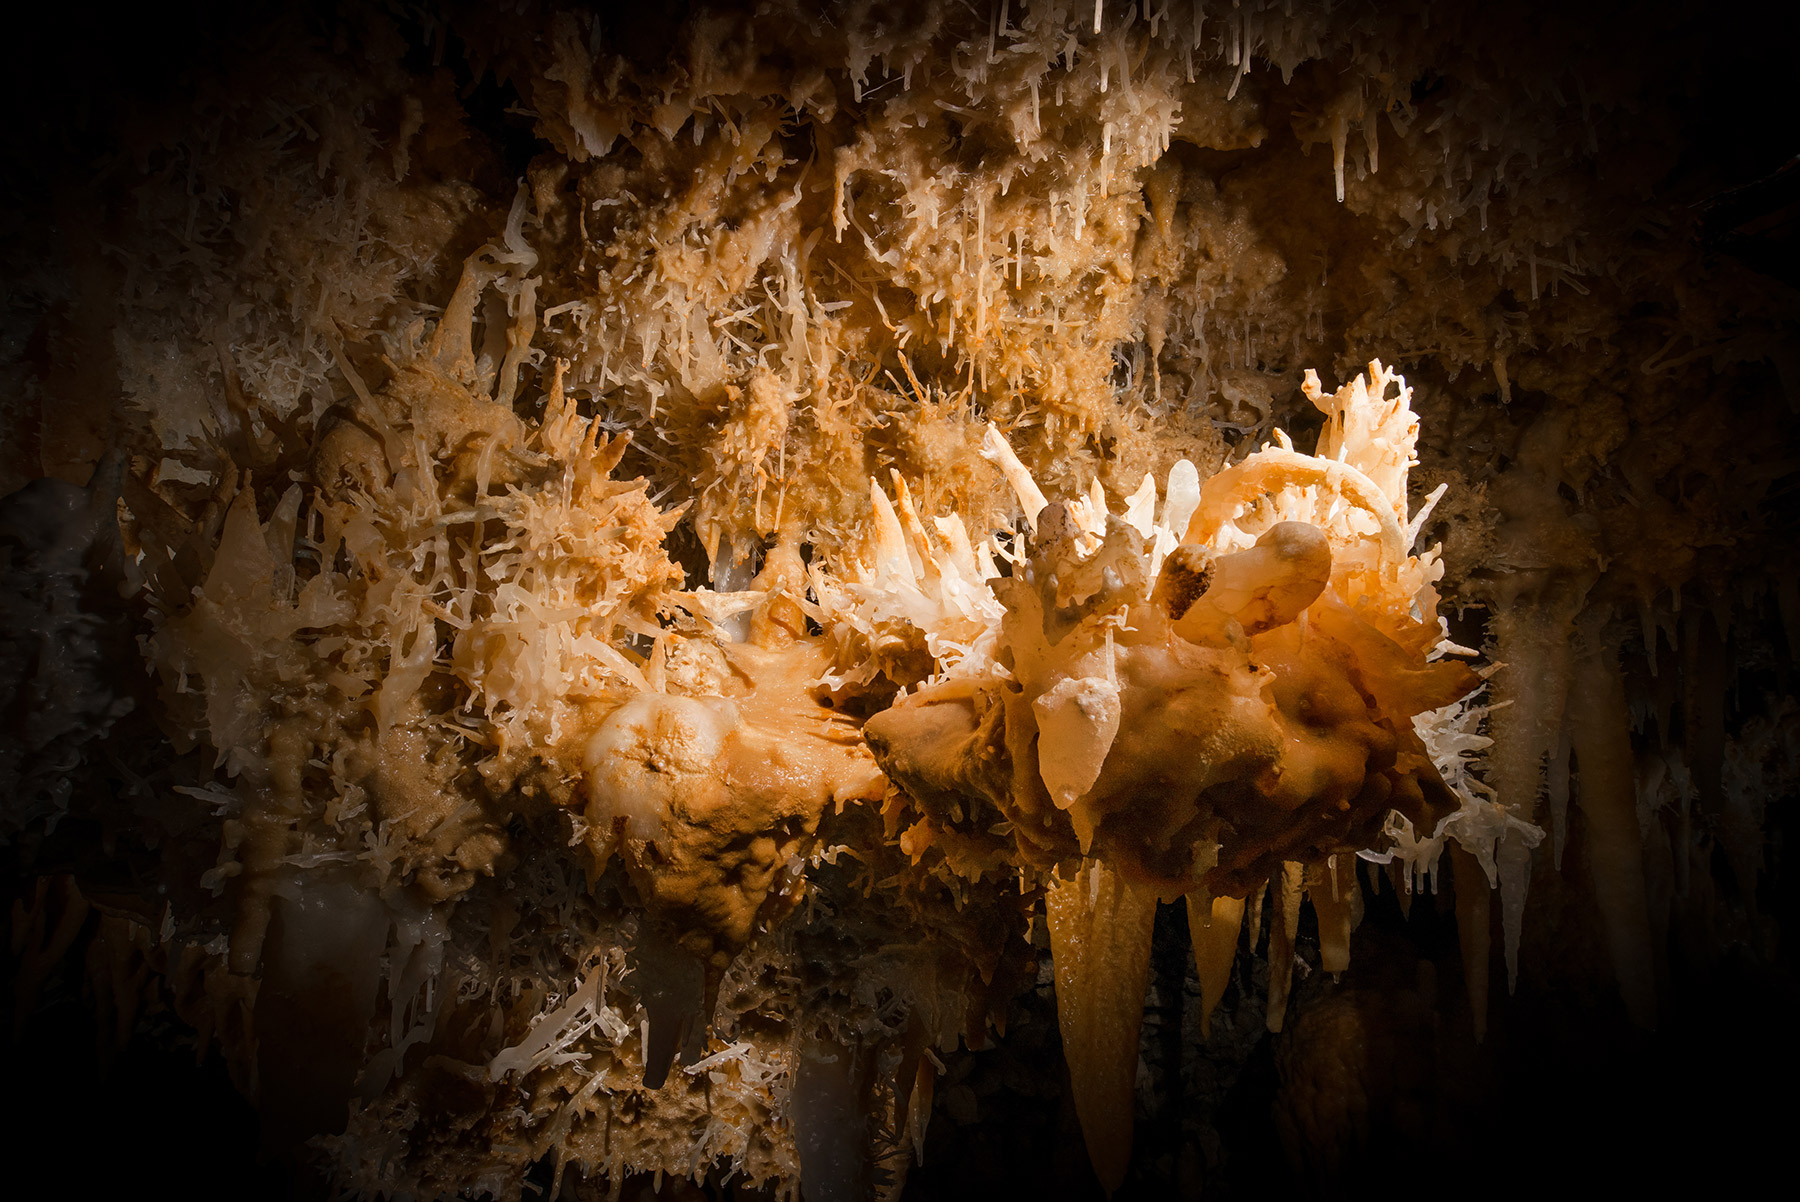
(1100, 926)
(1556, 782)
(918, 1105)
(1529, 694)
(1253, 913)
(1286, 891)
(1396, 875)
(1599, 730)
(1514, 856)
(1473, 902)
(1336, 898)
(1214, 930)
(1552, 560)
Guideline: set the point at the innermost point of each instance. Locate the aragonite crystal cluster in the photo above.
(614, 601)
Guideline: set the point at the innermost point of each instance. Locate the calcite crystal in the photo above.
(713, 596)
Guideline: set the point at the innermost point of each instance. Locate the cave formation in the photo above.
(900, 600)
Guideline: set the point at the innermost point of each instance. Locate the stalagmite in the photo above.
(1283, 926)
(1100, 927)
(1214, 931)
(1473, 937)
(1600, 733)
